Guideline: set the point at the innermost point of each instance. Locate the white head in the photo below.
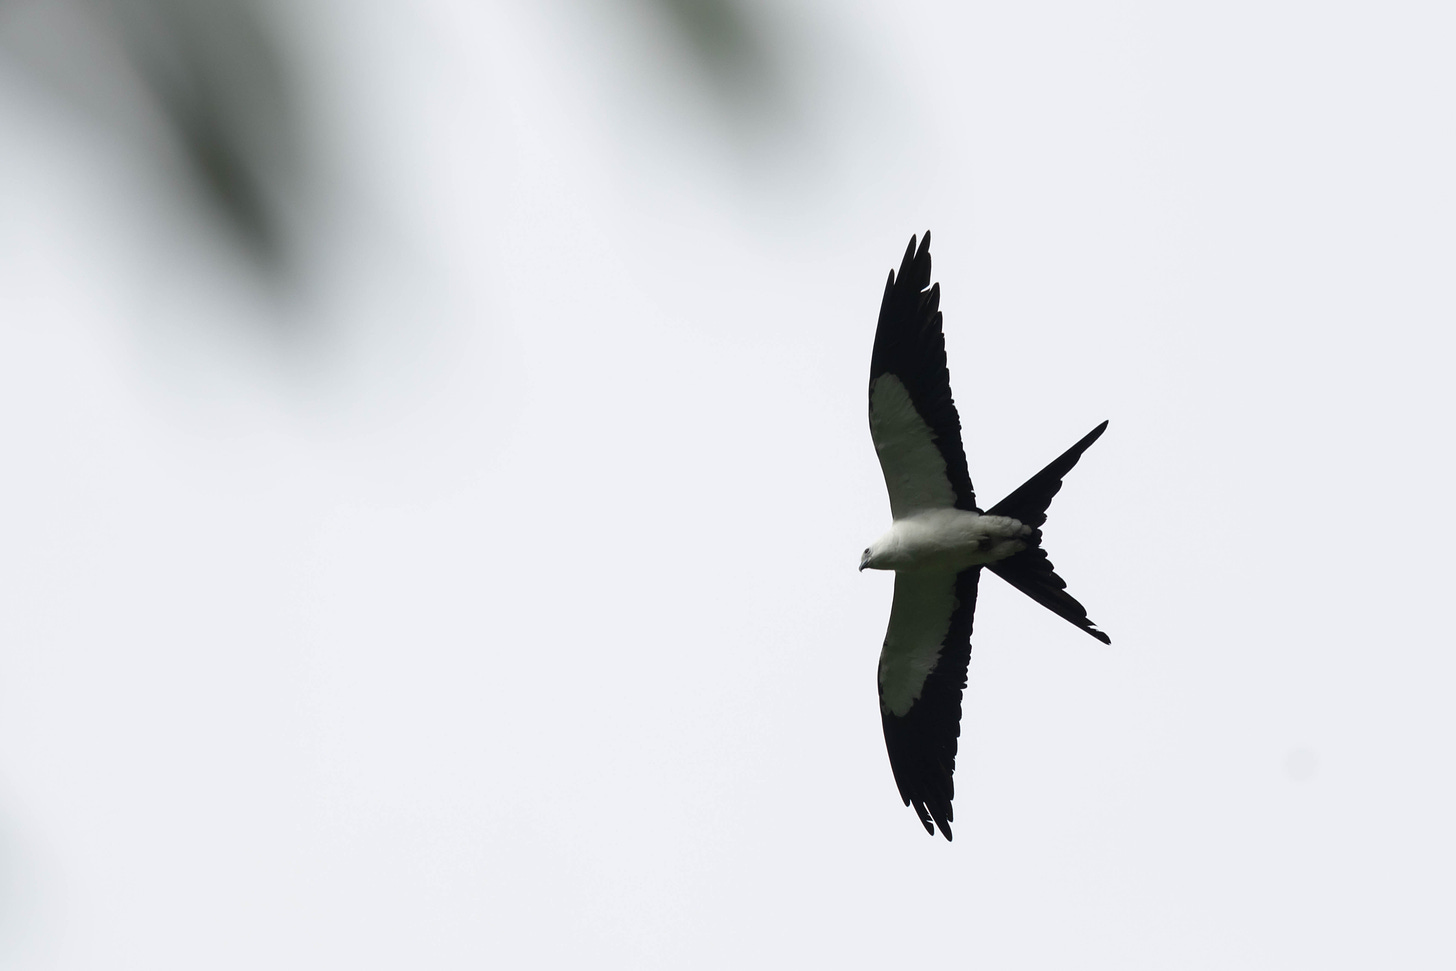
(885, 553)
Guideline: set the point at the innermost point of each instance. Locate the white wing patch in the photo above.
(914, 468)
(919, 620)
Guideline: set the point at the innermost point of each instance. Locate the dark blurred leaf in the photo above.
(215, 69)
(734, 50)
(210, 71)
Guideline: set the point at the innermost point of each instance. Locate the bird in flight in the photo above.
(940, 539)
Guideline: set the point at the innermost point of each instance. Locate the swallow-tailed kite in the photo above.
(940, 539)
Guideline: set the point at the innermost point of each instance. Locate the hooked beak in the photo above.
(863, 561)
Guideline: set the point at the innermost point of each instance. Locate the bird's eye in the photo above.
(867, 551)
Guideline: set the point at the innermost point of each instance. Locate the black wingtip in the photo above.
(908, 260)
(932, 820)
(915, 254)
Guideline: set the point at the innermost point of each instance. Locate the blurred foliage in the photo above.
(217, 75)
(210, 72)
(730, 46)
(215, 70)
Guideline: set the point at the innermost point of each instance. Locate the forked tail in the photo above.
(1030, 571)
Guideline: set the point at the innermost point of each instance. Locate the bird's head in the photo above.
(866, 558)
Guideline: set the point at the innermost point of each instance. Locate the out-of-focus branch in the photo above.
(731, 46)
(216, 71)
(213, 73)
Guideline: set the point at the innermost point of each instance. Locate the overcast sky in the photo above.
(486, 595)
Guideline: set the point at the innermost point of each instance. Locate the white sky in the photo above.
(508, 616)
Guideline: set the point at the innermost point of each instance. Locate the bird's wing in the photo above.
(922, 672)
(913, 419)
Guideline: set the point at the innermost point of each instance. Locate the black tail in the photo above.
(1030, 571)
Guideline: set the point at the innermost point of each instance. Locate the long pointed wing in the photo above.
(922, 674)
(913, 418)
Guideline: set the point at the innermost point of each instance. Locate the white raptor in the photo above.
(940, 539)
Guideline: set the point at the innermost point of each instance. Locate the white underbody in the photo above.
(948, 540)
(928, 545)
